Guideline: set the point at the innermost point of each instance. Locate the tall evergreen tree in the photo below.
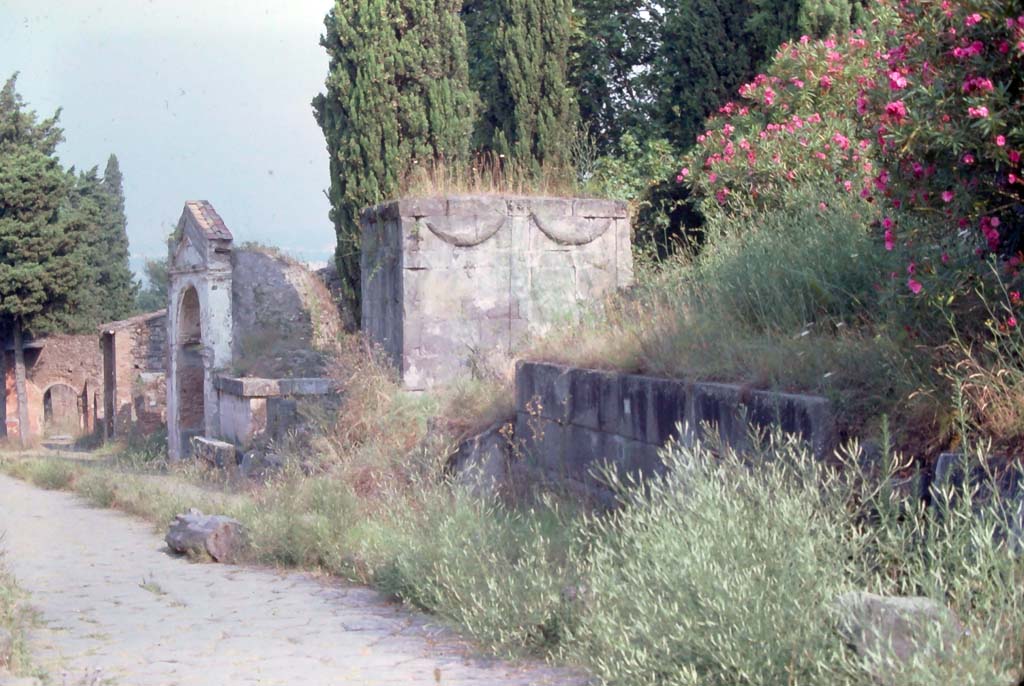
(115, 275)
(528, 107)
(39, 265)
(397, 91)
(707, 51)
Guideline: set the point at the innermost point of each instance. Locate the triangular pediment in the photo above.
(188, 256)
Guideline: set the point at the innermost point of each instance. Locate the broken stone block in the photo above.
(892, 631)
(195, 533)
(217, 453)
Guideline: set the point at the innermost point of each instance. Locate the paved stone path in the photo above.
(113, 600)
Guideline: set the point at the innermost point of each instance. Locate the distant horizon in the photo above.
(198, 100)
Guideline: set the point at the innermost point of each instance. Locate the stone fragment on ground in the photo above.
(146, 618)
(194, 533)
(898, 629)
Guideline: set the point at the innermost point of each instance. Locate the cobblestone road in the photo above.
(113, 600)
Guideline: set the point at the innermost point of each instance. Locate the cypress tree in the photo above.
(533, 61)
(397, 91)
(39, 265)
(115, 275)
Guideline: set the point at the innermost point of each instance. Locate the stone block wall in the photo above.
(569, 421)
(447, 280)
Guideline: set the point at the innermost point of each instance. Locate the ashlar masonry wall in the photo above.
(570, 420)
(448, 280)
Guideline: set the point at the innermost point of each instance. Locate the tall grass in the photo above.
(799, 300)
(16, 618)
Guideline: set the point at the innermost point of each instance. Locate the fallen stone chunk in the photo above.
(896, 629)
(195, 533)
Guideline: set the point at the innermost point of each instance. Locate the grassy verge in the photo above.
(714, 574)
(16, 618)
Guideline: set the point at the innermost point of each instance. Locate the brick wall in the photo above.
(72, 361)
(135, 373)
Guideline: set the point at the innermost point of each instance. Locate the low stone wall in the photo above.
(252, 408)
(569, 421)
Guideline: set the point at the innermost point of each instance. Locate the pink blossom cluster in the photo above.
(848, 110)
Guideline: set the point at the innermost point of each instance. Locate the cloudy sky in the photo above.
(199, 99)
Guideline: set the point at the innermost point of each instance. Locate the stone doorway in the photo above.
(62, 411)
(191, 369)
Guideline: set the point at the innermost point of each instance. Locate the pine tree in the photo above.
(154, 295)
(39, 265)
(397, 92)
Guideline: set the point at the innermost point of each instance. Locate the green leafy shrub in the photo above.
(720, 573)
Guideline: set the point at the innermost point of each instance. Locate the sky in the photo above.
(199, 100)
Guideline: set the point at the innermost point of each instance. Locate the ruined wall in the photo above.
(135, 366)
(61, 360)
(445, 280)
(285, 319)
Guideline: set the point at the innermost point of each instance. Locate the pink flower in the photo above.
(862, 105)
(973, 19)
(890, 243)
(1011, 321)
(684, 172)
(947, 196)
(1000, 140)
(968, 158)
(897, 81)
(977, 83)
(914, 285)
(1015, 156)
(1012, 178)
(911, 268)
(887, 223)
(945, 258)
(842, 141)
(825, 82)
(712, 177)
(897, 110)
(977, 112)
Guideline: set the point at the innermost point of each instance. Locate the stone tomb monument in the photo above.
(447, 279)
(248, 332)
